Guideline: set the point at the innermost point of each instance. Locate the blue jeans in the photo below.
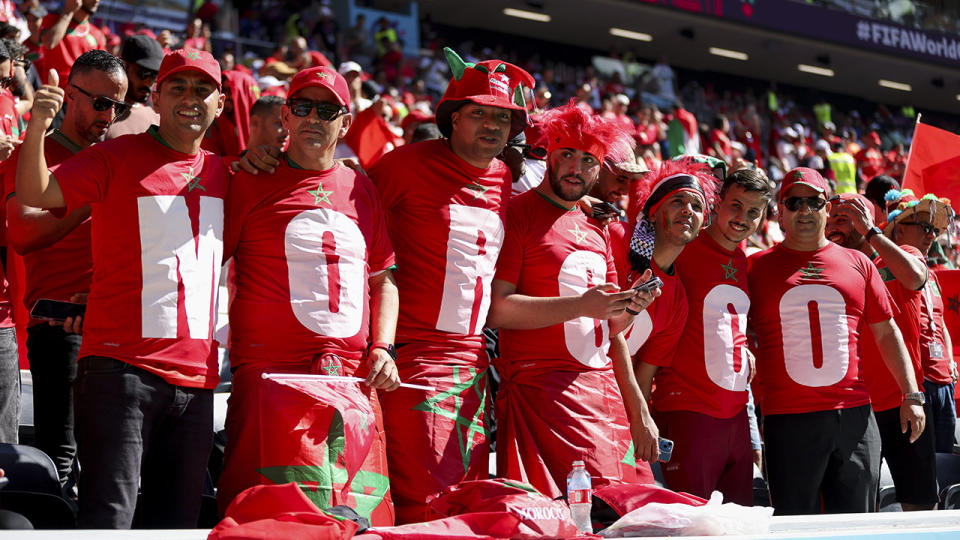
(53, 364)
(134, 429)
(9, 386)
(943, 415)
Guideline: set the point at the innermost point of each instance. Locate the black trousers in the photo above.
(53, 365)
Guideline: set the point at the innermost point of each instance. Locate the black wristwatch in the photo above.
(873, 230)
(391, 350)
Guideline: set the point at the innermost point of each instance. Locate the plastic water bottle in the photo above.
(580, 496)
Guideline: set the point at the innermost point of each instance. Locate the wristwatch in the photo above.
(873, 230)
(391, 350)
(919, 397)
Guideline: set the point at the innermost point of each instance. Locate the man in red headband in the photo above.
(445, 203)
(821, 439)
(564, 365)
(904, 272)
(147, 368)
(334, 287)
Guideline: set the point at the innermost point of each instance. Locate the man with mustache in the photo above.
(701, 393)
(912, 464)
(317, 229)
(148, 365)
(56, 251)
(142, 56)
(560, 312)
(444, 201)
(809, 299)
(67, 35)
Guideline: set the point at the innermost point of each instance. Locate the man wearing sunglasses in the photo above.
(912, 464)
(56, 254)
(147, 363)
(809, 297)
(142, 56)
(918, 222)
(324, 223)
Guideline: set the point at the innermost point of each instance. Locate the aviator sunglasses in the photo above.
(793, 204)
(927, 227)
(102, 103)
(326, 111)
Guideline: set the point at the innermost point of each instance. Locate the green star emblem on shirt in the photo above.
(811, 272)
(578, 234)
(481, 190)
(193, 182)
(320, 195)
(729, 270)
(473, 423)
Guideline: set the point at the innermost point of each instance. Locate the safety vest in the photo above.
(845, 170)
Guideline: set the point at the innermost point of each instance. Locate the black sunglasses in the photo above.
(793, 204)
(103, 103)
(325, 110)
(927, 227)
(145, 73)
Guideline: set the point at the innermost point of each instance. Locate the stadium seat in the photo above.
(948, 476)
(43, 510)
(887, 500)
(29, 469)
(950, 498)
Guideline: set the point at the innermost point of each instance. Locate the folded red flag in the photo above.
(369, 137)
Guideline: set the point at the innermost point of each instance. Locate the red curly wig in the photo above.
(570, 126)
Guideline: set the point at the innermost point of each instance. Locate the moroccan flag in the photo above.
(370, 137)
(324, 436)
(933, 165)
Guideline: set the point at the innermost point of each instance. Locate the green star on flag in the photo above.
(320, 195)
(729, 271)
(811, 271)
(481, 190)
(193, 182)
(473, 424)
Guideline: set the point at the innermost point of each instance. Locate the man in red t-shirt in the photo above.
(918, 223)
(444, 200)
(67, 35)
(555, 298)
(56, 252)
(147, 363)
(701, 392)
(870, 159)
(821, 439)
(334, 286)
(912, 465)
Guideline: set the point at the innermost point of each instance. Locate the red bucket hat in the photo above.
(491, 83)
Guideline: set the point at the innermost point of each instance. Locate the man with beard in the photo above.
(701, 393)
(334, 287)
(616, 179)
(445, 205)
(560, 312)
(147, 363)
(56, 251)
(918, 223)
(912, 465)
(67, 35)
(141, 56)
(822, 443)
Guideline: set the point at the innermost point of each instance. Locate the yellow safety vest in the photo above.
(845, 170)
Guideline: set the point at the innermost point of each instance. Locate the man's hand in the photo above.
(645, 435)
(604, 301)
(7, 144)
(71, 6)
(352, 163)
(953, 372)
(912, 419)
(47, 102)
(751, 364)
(383, 371)
(259, 158)
(641, 300)
(165, 38)
(73, 325)
(857, 213)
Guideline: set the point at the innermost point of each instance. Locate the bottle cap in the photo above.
(578, 463)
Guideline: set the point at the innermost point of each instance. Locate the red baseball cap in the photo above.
(805, 176)
(189, 59)
(323, 77)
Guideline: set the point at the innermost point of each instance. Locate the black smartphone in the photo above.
(604, 210)
(666, 449)
(649, 285)
(56, 310)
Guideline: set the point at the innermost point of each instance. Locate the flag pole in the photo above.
(913, 140)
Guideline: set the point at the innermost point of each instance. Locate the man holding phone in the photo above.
(568, 391)
(333, 287)
(701, 393)
(56, 251)
(147, 363)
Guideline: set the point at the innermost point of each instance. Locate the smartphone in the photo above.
(649, 285)
(56, 310)
(666, 449)
(604, 210)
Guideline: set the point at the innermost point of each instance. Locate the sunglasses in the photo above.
(103, 103)
(325, 110)
(793, 204)
(927, 227)
(145, 73)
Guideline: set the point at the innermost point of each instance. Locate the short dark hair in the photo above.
(265, 105)
(425, 131)
(97, 60)
(749, 180)
(15, 49)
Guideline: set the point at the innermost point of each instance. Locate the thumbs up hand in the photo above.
(47, 102)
